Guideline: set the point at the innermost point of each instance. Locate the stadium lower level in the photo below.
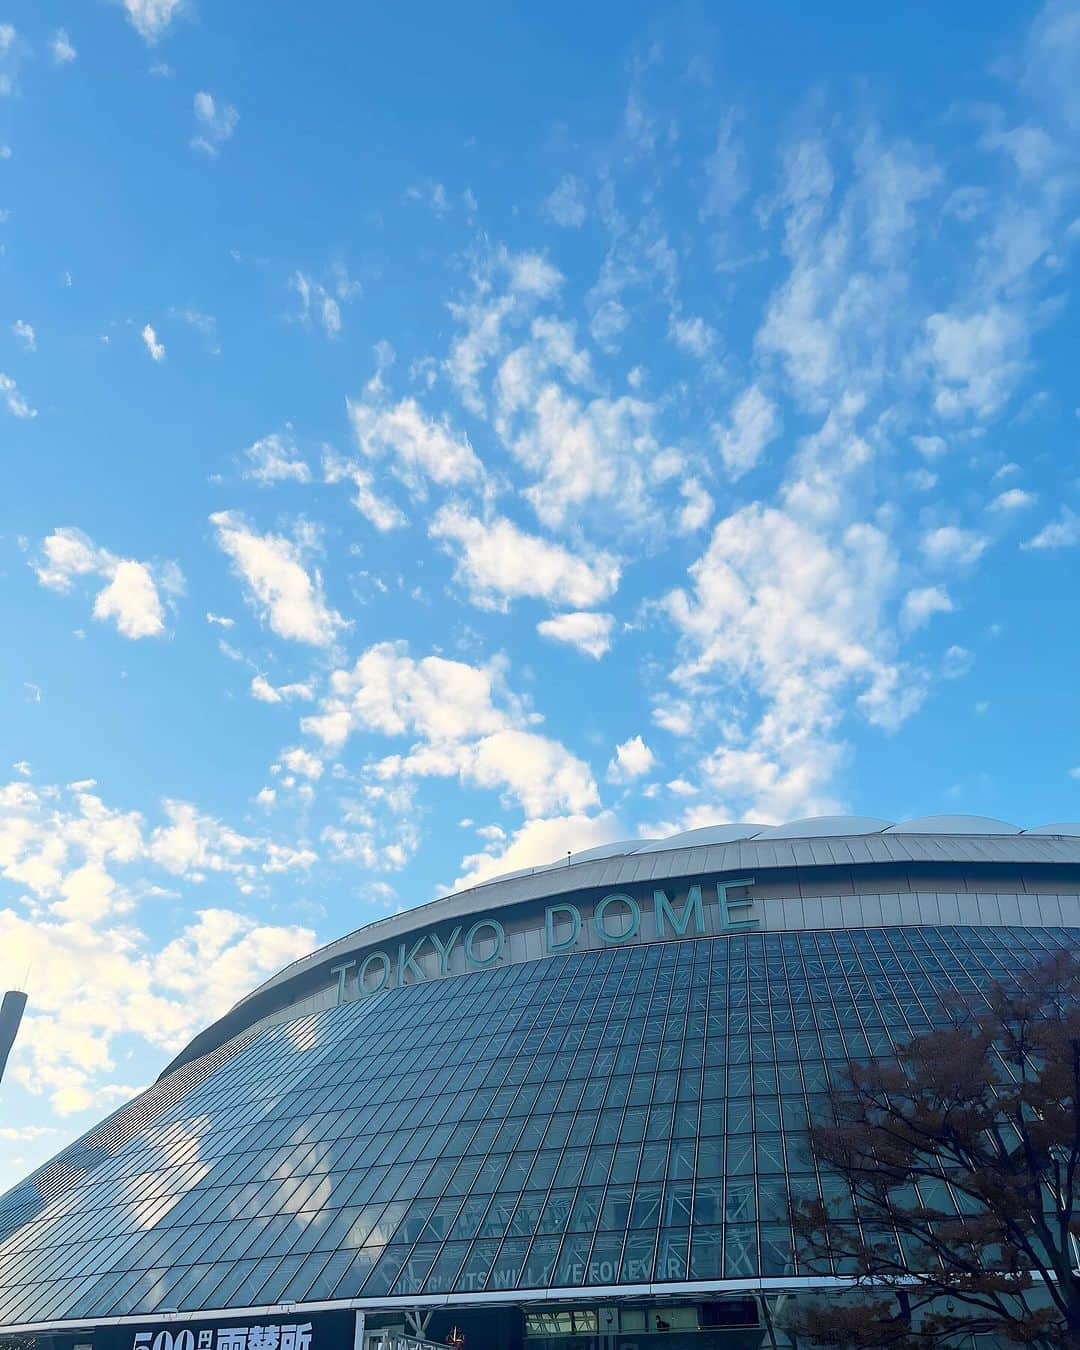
(562, 1111)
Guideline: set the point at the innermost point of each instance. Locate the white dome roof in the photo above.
(707, 834)
(954, 825)
(818, 827)
(809, 827)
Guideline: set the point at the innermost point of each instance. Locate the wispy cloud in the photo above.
(25, 334)
(12, 52)
(1061, 533)
(151, 343)
(564, 204)
(320, 303)
(15, 402)
(152, 19)
(61, 49)
(275, 459)
(214, 123)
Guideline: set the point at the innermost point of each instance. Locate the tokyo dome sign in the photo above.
(716, 908)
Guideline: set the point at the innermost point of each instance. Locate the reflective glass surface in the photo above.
(623, 1116)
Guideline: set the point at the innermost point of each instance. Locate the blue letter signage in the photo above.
(567, 925)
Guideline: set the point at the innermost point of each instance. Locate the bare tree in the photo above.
(957, 1166)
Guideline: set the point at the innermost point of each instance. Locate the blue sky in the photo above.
(436, 439)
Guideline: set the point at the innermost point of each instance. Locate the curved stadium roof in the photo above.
(815, 841)
(495, 892)
(946, 903)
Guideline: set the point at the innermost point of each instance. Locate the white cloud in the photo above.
(823, 480)
(378, 510)
(152, 18)
(16, 403)
(754, 424)
(379, 830)
(778, 787)
(421, 449)
(1014, 499)
(956, 662)
(220, 620)
(679, 716)
(1061, 533)
(697, 506)
(12, 51)
(920, 606)
(433, 195)
(43, 829)
(265, 692)
(61, 49)
(841, 320)
(977, 358)
(564, 205)
(193, 844)
(609, 321)
(88, 895)
(132, 595)
(1052, 61)
(588, 631)
(726, 179)
(598, 456)
(203, 324)
(499, 562)
(952, 546)
(321, 303)
(530, 274)
(539, 842)
(793, 621)
(83, 868)
(390, 692)
(533, 770)
(275, 459)
(153, 346)
(25, 334)
(23, 1133)
(131, 599)
(632, 759)
(549, 351)
(465, 722)
(930, 447)
(302, 763)
(506, 287)
(213, 124)
(279, 587)
(692, 335)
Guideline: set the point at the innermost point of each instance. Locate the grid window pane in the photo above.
(629, 1115)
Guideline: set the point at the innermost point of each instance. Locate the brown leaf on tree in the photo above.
(959, 1162)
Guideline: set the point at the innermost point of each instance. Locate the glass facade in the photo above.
(620, 1117)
